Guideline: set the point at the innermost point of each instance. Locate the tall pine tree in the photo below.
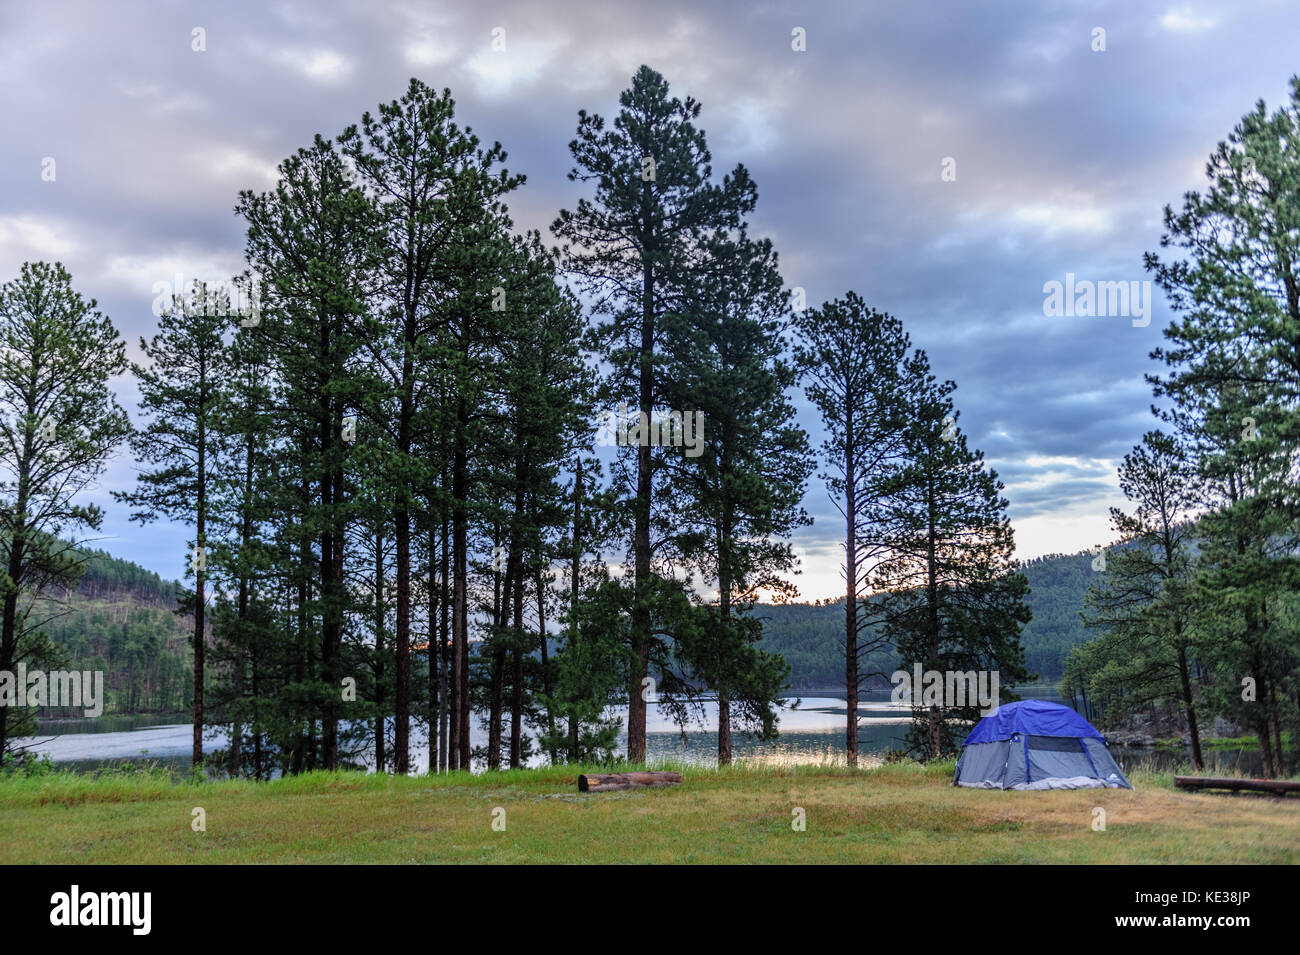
(955, 599)
(180, 393)
(630, 248)
(737, 485)
(853, 362)
(59, 425)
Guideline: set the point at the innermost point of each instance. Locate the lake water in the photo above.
(812, 731)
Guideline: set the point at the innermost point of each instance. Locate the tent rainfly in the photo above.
(1034, 744)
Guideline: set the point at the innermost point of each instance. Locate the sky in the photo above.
(945, 161)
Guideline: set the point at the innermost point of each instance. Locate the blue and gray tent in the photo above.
(1034, 744)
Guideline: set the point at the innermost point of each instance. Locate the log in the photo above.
(608, 782)
(1279, 786)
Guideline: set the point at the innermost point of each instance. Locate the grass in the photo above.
(892, 813)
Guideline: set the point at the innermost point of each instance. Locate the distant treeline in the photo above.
(811, 636)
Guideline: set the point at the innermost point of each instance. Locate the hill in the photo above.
(810, 636)
(121, 619)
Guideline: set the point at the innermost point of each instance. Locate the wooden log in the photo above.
(1279, 786)
(607, 782)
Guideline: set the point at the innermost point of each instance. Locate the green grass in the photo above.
(893, 813)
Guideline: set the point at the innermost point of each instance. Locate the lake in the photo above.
(812, 732)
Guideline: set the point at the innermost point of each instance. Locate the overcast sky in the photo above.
(1064, 157)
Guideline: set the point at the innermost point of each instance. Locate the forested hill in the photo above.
(810, 636)
(106, 575)
(121, 620)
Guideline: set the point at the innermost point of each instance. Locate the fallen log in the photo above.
(1279, 786)
(607, 782)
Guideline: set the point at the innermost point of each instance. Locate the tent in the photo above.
(1034, 744)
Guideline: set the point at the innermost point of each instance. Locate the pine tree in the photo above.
(180, 390)
(240, 555)
(311, 241)
(1141, 600)
(630, 248)
(545, 389)
(591, 662)
(1232, 377)
(426, 177)
(1247, 571)
(736, 486)
(59, 425)
(1234, 283)
(955, 600)
(853, 361)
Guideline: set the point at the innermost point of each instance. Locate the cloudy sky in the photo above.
(1059, 159)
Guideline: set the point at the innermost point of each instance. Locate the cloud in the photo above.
(240, 167)
(1064, 158)
(27, 238)
(1187, 20)
(319, 64)
(501, 70)
(1053, 219)
(161, 101)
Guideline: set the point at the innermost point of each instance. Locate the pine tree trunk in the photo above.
(1261, 720)
(331, 576)
(724, 613)
(1276, 727)
(546, 667)
(444, 651)
(1189, 708)
(17, 548)
(8, 631)
(460, 621)
(724, 729)
(1265, 748)
(494, 708)
(255, 668)
(241, 662)
(402, 520)
(932, 595)
(575, 591)
(435, 698)
(238, 666)
(517, 677)
(196, 754)
(300, 760)
(850, 599)
(380, 755)
(201, 520)
(496, 677)
(636, 716)
(402, 697)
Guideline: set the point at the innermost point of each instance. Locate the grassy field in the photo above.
(893, 813)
